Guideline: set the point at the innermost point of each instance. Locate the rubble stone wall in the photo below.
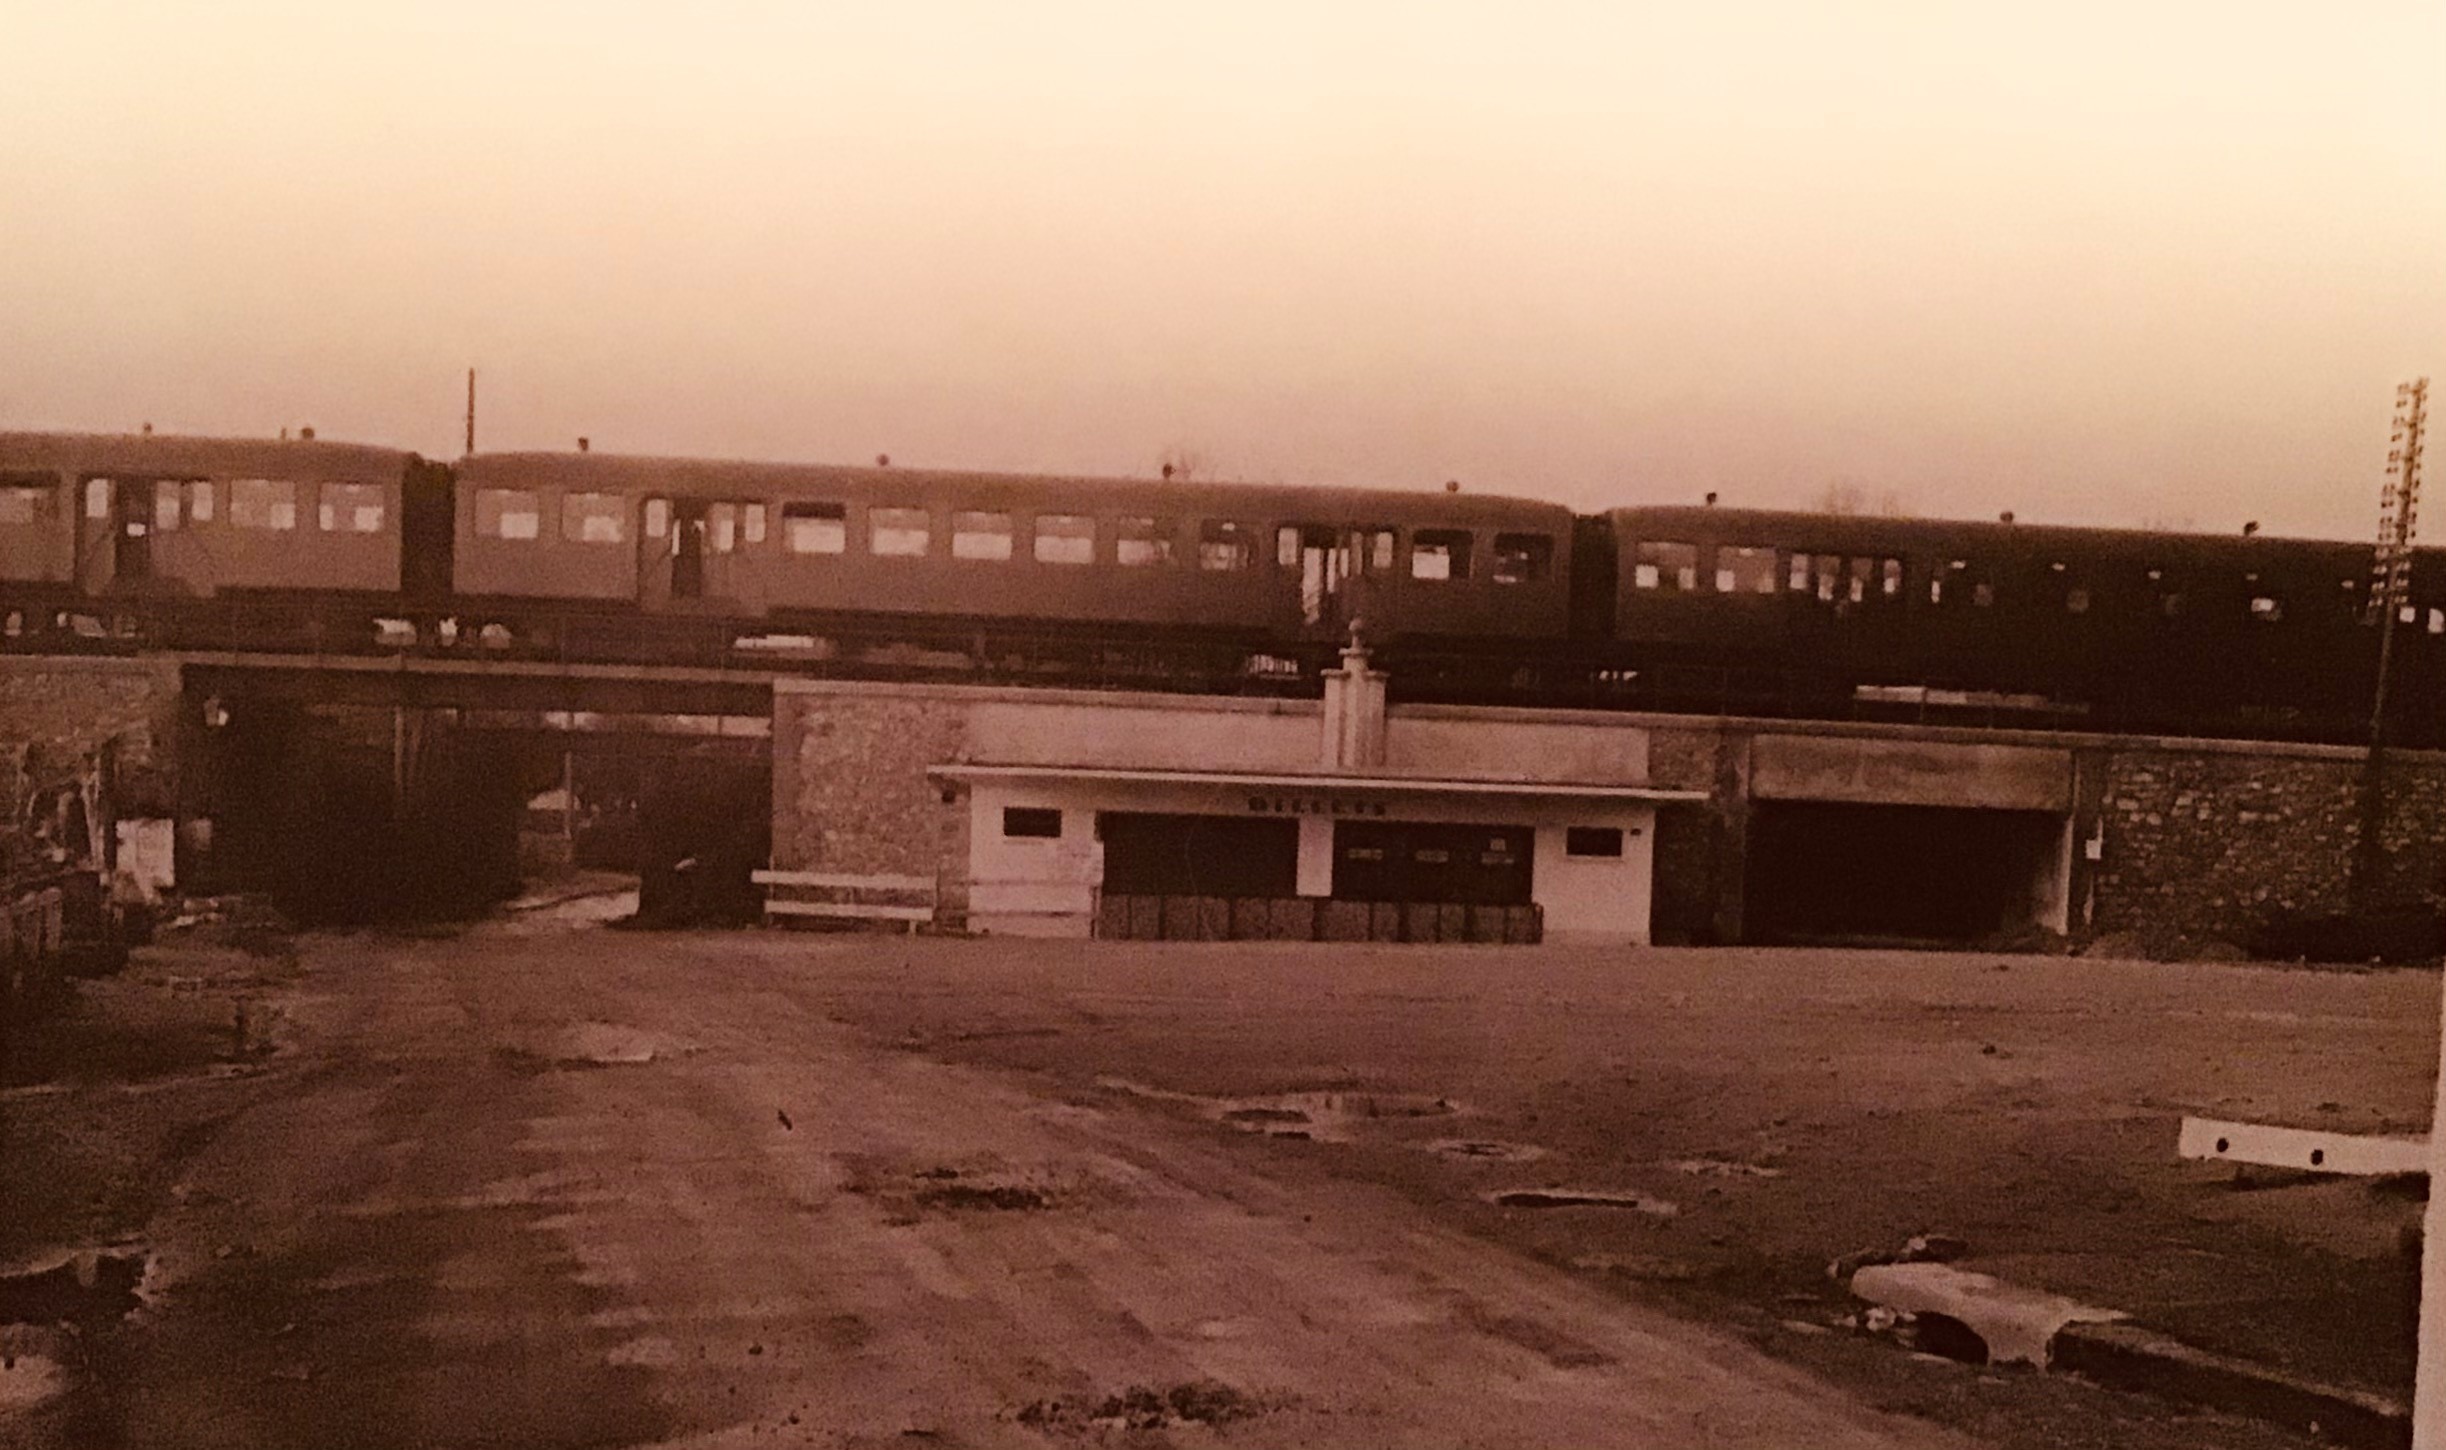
(54, 711)
(850, 792)
(2215, 842)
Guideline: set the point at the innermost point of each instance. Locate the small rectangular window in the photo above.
(1889, 578)
(903, 533)
(1523, 558)
(815, 528)
(199, 501)
(1744, 569)
(19, 505)
(2437, 621)
(2076, 600)
(2267, 608)
(1065, 539)
(350, 508)
(1033, 822)
(721, 528)
(1286, 545)
(1592, 841)
(165, 506)
(979, 535)
(1224, 546)
(594, 518)
(751, 523)
(1666, 565)
(657, 517)
(1856, 585)
(97, 498)
(1380, 549)
(1800, 574)
(1829, 569)
(271, 503)
(1142, 541)
(1439, 554)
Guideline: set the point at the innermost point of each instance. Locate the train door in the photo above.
(688, 533)
(131, 518)
(1332, 575)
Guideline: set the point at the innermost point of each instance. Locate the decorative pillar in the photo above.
(1353, 735)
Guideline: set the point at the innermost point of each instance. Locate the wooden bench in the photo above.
(846, 906)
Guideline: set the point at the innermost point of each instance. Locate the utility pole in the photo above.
(471, 413)
(2390, 592)
(2429, 1368)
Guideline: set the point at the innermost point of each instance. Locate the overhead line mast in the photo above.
(2398, 524)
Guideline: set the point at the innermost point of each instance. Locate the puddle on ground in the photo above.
(1326, 1115)
(1582, 1198)
(1724, 1168)
(26, 1380)
(88, 1289)
(1485, 1150)
(589, 1044)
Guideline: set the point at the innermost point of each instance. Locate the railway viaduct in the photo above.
(1074, 811)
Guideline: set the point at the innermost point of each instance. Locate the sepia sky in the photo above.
(2122, 262)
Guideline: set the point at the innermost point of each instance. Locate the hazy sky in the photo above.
(2098, 262)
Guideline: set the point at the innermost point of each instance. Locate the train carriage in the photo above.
(2141, 629)
(794, 542)
(142, 515)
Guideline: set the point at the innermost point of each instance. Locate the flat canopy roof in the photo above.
(1280, 781)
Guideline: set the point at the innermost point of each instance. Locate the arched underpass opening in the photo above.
(1825, 871)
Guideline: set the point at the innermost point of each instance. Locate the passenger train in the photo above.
(198, 542)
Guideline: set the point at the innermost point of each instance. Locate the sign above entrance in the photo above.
(1314, 805)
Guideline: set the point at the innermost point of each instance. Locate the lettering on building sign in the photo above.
(1313, 805)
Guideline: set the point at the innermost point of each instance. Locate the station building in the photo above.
(1068, 813)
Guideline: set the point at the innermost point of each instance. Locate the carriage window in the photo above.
(977, 535)
(1286, 544)
(722, 528)
(165, 506)
(657, 517)
(2267, 608)
(1224, 546)
(350, 508)
(271, 503)
(1829, 570)
(1889, 578)
(1523, 558)
(1954, 570)
(1799, 581)
(19, 505)
(2437, 621)
(2076, 600)
(901, 533)
(1065, 539)
(751, 522)
(815, 528)
(1744, 569)
(1142, 541)
(1857, 586)
(199, 501)
(1657, 565)
(593, 518)
(1439, 554)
